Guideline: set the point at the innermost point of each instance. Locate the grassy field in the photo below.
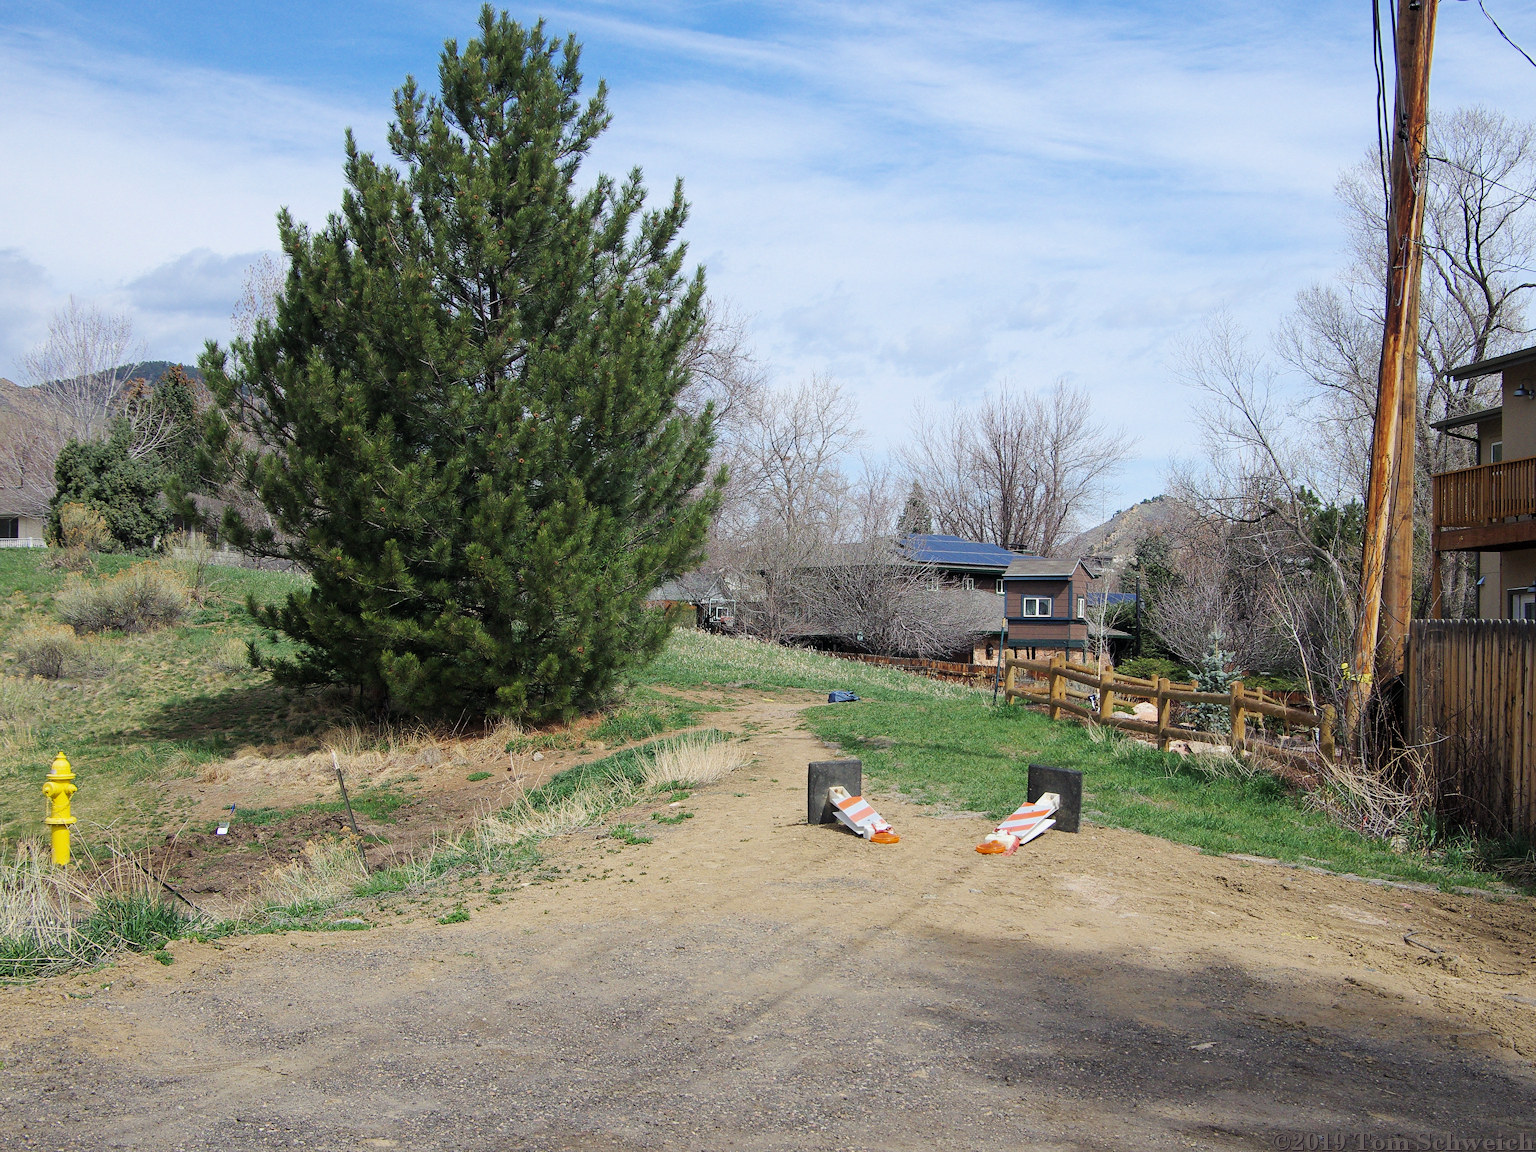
(160, 704)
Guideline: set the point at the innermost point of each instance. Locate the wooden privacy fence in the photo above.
(951, 670)
(1472, 709)
(1065, 686)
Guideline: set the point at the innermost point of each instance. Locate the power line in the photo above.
(1505, 34)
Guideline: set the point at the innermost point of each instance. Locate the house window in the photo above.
(10, 527)
(1035, 606)
(1496, 452)
(999, 587)
(1082, 607)
(969, 583)
(1522, 604)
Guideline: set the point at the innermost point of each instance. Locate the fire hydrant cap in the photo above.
(61, 766)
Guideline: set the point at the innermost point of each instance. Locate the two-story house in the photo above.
(1490, 508)
(1046, 606)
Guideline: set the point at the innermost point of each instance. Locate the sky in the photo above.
(922, 201)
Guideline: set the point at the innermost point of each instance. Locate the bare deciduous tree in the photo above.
(1479, 247)
(258, 295)
(874, 600)
(1269, 568)
(82, 367)
(1020, 470)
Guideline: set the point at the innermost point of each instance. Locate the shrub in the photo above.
(143, 598)
(82, 527)
(123, 488)
(1151, 667)
(49, 652)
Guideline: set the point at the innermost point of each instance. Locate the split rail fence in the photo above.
(1071, 689)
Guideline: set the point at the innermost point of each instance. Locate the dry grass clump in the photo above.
(48, 651)
(233, 657)
(55, 918)
(328, 871)
(367, 758)
(145, 597)
(689, 761)
(1385, 803)
(38, 903)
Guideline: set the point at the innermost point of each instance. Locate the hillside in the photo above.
(1113, 543)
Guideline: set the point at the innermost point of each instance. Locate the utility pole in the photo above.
(1386, 592)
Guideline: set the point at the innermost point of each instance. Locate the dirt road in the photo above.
(748, 982)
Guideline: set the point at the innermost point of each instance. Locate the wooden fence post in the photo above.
(1058, 684)
(1164, 713)
(1239, 717)
(1325, 733)
(1106, 694)
(1008, 671)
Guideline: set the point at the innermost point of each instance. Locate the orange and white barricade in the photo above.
(1023, 826)
(856, 813)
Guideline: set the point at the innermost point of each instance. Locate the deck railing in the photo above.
(1486, 494)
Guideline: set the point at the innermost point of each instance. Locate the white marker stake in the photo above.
(223, 829)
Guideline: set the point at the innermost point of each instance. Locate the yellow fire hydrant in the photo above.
(59, 787)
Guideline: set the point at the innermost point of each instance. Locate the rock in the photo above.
(1145, 710)
(538, 755)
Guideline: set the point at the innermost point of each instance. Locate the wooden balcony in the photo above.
(1488, 508)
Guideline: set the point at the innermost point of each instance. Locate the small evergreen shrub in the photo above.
(143, 598)
(1211, 675)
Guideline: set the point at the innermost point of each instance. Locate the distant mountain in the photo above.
(152, 370)
(1113, 543)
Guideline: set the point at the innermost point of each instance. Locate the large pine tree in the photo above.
(462, 419)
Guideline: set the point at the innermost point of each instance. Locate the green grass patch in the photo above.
(476, 777)
(458, 916)
(628, 834)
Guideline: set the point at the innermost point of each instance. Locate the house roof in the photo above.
(1466, 418)
(1493, 364)
(1034, 566)
(954, 552)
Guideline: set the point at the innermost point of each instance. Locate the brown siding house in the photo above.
(1045, 604)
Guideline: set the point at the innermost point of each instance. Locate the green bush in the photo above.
(124, 489)
(1151, 667)
(141, 599)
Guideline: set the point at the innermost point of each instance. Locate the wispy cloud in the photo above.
(918, 200)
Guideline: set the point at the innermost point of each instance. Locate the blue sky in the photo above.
(919, 200)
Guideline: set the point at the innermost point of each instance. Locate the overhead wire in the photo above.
(1484, 9)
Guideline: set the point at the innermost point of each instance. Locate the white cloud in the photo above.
(919, 200)
(133, 172)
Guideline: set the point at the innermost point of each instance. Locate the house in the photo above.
(1046, 605)
(708, 599)
(1490, 508)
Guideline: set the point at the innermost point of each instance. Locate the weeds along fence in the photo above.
(1471, 709)
(1091, 696)
(952, 671)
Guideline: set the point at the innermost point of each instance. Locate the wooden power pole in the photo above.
(1386, 592)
